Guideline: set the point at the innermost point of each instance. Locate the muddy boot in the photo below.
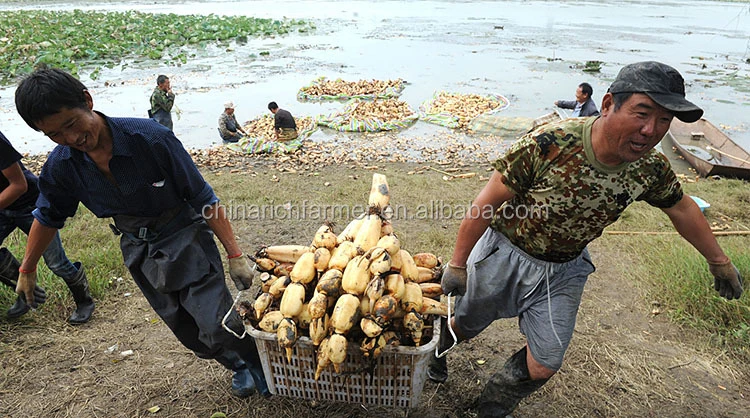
(507, 388)
(243, 384)
(256, 371)
(79, 287)
(437, 369)
(9, 276)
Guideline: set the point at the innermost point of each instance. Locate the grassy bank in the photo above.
(274, 207)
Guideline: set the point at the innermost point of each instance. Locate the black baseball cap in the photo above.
(662, 83)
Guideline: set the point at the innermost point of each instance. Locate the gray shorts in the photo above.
(505, 282)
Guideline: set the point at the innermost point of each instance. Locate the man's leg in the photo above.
(506, 388)
(547, 319)
(74, 276)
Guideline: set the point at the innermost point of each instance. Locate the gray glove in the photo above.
(727, 280)
(241, 273)
(453, 280)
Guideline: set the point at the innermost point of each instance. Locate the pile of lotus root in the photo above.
(340, 87)
(355, 287)
(464, 106)
(262, 127)
(384, 110)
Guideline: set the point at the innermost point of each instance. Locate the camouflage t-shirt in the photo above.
(564, 197)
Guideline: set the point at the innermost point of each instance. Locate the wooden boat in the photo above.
(709, 150)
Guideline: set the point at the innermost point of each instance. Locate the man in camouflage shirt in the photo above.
(162, 100)
(521, 248)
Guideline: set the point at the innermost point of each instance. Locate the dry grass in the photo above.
(623, 361)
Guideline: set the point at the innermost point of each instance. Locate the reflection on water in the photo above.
(529, 51)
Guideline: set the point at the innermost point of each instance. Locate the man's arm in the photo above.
(39, 239)
(163, 100)
(692, 225)
(17, 185)
(479, 216)
(566, 104)
(689, 221)
(217, 220)
(239, 268)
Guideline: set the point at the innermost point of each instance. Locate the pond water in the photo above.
(527, 51)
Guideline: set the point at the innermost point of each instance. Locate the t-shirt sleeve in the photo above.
(665, 191)
(8, 154)
(517, 165)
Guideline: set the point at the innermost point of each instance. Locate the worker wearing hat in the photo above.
(229, 129)
(521, 248)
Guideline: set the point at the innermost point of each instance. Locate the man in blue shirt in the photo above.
(583, 105)
(137, 172)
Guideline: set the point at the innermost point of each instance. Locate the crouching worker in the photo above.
(137, 172)
(579, 175)
(18, 194)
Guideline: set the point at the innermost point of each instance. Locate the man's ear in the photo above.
(89, 99)
(608, 104)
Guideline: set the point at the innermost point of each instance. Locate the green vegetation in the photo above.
(676, 275)
(75, 39)
(668, 269)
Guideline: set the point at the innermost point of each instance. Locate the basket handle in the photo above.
(244, 333)
(438, 354)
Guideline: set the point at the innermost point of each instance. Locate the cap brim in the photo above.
(681, 108)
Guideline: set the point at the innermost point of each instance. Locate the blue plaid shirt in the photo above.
(151, 169)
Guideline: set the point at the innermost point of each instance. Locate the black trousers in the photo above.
(181, 275)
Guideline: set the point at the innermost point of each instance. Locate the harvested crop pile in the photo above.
(371, 116)
(358, 287)
(384, 110)
(457, 110)
(261, 138)
(262, 127)
(323, 88)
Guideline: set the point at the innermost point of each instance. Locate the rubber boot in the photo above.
(507, 388)
(9, 265)
(243, 384)
(79, 287)
(437, 369)
(256, 371)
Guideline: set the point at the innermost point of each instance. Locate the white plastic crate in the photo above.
(396, 380)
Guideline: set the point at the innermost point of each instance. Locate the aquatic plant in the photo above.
(78, 39)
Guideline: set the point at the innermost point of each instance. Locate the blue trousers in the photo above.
(54, 256)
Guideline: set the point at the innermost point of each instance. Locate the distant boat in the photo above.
(709, 150)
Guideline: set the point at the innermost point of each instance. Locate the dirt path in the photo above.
(623, 361)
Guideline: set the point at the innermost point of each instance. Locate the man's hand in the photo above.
(26, 288)
(241, 273)
(453, 280)
(727, 280)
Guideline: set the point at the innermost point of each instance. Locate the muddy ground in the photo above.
(623, 361)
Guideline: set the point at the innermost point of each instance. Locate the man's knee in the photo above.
(536, 370)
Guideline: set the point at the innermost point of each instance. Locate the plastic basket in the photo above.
(396, 378)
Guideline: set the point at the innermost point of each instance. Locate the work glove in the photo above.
(27, 289)
(727, 280)
(241, 273)
(453, 280)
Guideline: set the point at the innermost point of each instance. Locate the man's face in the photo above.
(580, 95)
(229, 111)
(635, 128)
(166, 85)
(77, 128)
